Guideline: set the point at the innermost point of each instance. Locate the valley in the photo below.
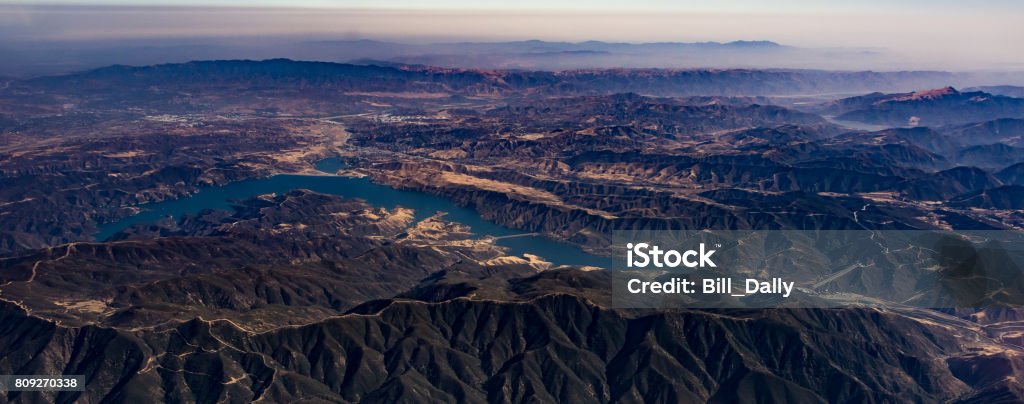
(284, 231)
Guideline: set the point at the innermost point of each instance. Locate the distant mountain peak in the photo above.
(934, 107)
(753, 44)
(931, 94)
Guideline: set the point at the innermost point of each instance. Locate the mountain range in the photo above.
(298, 295)
(937, 107)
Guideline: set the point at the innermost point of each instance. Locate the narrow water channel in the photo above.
(425, 205)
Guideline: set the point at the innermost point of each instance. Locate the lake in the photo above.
(425, 205)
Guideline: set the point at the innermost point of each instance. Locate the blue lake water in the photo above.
(222, 197)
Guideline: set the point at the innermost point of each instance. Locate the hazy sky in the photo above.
(690, 5)
(934, 33)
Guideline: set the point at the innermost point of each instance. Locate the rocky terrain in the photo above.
(943, 106)
(301, 296)
(311, 297)
(59, 182)
(577, 167)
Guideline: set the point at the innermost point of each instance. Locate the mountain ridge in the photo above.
(666, 82)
